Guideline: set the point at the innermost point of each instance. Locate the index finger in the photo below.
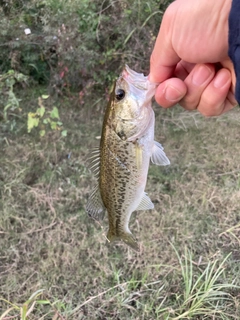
(164, 58)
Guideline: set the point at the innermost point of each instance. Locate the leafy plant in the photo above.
(7, 82)
(45, 119)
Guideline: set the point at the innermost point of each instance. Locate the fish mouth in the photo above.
(134, 78)
(139, 84)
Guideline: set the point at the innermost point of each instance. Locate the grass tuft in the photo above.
(202, 292)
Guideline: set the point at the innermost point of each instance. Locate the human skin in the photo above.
(190, 58)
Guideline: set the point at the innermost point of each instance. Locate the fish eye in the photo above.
(120, 94)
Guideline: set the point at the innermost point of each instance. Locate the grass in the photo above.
(201, 294)
(55, 263)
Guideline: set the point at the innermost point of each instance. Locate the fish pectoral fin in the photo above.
(158, 155)
(139, 152)
(145, 203)
(126, 237)
(95, 207)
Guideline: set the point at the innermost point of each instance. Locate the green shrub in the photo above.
(77, 43)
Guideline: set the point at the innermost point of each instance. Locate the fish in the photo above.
(121, 163)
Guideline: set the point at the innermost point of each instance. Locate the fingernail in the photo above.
(220, 80)
(201, 75)
(172, 94)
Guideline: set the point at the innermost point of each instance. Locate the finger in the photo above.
(164, 58)
(170, 92)
(217, 97)
(231, 102)
(196, 82)
(183, 69)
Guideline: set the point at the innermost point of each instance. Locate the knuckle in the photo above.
(171, 10)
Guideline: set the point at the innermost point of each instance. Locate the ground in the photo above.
(188, 265)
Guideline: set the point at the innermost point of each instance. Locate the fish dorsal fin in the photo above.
(95, 207)
(158, 155)
(94, 161)
(145, 203)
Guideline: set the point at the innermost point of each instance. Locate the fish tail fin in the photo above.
(127, 237)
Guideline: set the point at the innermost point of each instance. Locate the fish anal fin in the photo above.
(126, 237)
(95, 207)
(146, 203)
(158, 155)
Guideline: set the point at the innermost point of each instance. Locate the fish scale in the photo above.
(126, 146)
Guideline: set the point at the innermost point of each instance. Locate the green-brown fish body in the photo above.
(127, 144)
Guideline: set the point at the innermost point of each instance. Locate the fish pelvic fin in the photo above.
(126, 237)
(158, 155)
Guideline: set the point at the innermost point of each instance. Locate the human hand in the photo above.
(190, 57)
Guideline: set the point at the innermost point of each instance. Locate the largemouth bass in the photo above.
(126, 147)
